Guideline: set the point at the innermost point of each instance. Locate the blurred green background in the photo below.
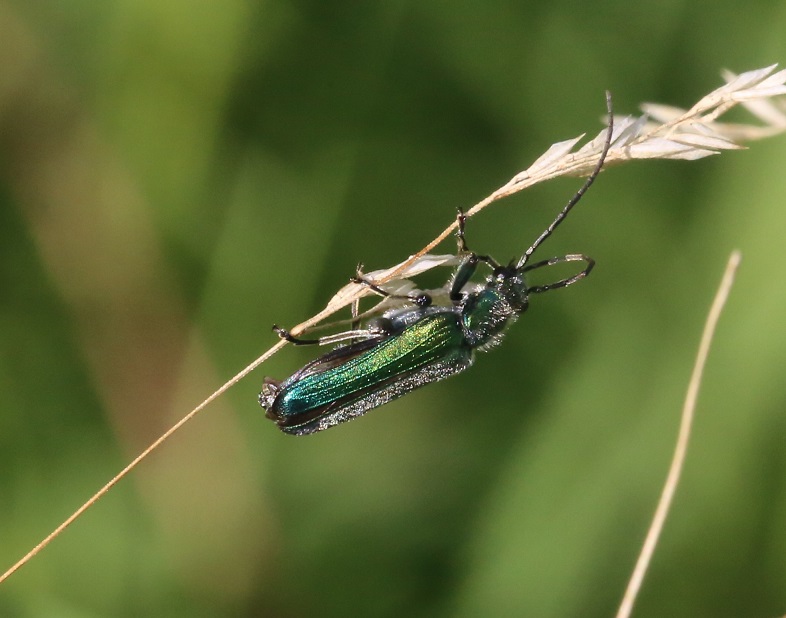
(175, 177)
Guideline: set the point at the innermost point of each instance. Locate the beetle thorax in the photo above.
(488, 312)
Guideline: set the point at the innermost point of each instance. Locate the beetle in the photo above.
(420, 343)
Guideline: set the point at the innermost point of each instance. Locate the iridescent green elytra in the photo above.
(412, 346)
(353, 379)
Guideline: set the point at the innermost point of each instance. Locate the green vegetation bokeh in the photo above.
(178, 176)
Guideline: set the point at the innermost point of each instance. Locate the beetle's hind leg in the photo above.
(420, 299)
(283, 333)
(354, 334)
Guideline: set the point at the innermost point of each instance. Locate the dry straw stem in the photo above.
(681, 448)
(665, 133)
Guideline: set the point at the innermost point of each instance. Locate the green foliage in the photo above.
(178, 176)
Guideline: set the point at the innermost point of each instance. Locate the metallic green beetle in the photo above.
(415, 345)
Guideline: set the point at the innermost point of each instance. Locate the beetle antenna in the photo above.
(575, 199)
